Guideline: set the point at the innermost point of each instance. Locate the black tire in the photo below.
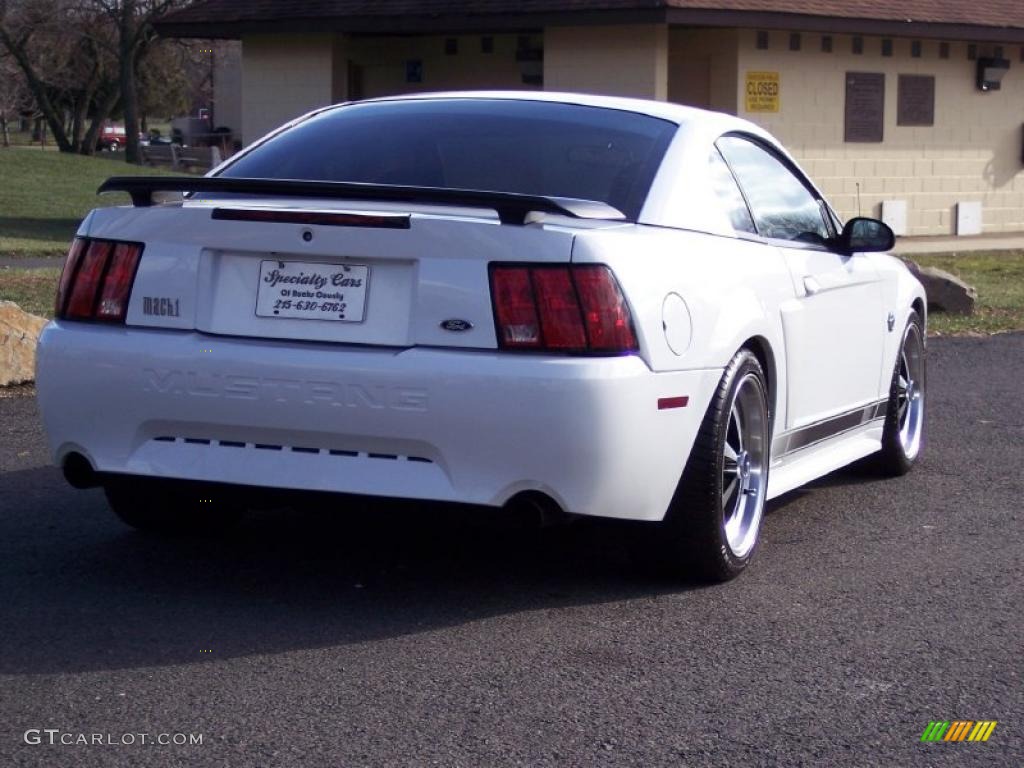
(693, 539)
(903, 435)
(171, 507)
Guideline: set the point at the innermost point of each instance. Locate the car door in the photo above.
(834, 326)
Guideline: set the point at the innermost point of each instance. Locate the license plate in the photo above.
(312, 291)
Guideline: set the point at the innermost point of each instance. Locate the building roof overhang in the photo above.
(232, 19)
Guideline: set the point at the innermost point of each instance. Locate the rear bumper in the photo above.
(472, 427)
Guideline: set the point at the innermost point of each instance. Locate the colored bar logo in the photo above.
(959, 730)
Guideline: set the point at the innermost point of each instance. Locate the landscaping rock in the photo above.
(946, 292)
(19, 332)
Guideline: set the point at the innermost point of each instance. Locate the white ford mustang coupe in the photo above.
(610, 307)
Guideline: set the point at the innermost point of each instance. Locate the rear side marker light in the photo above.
(96, 283)
(574, 308)
(665, 403)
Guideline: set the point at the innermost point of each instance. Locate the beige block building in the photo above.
(889, 111)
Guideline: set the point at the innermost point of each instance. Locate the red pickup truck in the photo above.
(112, 137)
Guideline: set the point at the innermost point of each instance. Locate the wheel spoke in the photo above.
(738, 426)
(728, 491)
(731, 455)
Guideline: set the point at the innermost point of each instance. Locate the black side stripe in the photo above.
(822, 430)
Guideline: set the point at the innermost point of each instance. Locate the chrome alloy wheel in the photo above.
(910, 391)
(744, 465)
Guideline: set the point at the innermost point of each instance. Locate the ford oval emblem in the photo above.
(456, 325)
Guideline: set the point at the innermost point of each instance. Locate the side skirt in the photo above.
(805, 454)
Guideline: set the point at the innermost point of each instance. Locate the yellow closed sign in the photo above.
(762, 92)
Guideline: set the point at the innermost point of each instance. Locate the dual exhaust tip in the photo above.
(79, 472)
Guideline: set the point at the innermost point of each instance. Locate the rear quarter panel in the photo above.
(732, 289)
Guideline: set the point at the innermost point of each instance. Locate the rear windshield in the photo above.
(529, 147)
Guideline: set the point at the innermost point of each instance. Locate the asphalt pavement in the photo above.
(408, 635)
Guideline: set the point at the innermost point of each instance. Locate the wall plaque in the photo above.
(865, 106)
(915, 100)
(762, 92)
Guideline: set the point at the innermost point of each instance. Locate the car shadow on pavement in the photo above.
(83, 592)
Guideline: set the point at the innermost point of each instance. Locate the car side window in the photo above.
(783, 207)
(729, 195)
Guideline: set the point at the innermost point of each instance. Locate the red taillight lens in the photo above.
(609, 325)
(97, 280)
(515, 308)
(68, 275)
(117, 286)
(575, 308)
(87, 280)
(559, 309)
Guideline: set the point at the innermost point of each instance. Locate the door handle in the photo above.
(811, 285)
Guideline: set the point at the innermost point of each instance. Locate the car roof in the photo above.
(677, 113)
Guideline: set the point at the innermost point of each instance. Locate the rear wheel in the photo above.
(712, 526)
(903, 436)
(166, 506)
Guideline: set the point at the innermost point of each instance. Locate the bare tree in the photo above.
(80, 59)
(13, 98)
(65, 54)
(21, 24)
(133, 21)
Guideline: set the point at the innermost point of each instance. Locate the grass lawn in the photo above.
(999, 278)
(45, 194)
(31, 289)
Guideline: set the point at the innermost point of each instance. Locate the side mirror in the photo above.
(862, 235)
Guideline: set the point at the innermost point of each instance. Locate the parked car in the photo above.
(112, 137)
(612, 307)
(154, 140)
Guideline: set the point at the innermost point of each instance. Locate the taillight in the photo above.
(571, 308)
(609, 325)
(97, 280)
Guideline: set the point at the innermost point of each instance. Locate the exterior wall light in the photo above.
(990, 73)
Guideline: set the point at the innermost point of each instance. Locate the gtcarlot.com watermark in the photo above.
(55, 736)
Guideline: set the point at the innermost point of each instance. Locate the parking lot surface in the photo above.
(405, 635)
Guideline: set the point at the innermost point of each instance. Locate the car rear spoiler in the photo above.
(512, 208)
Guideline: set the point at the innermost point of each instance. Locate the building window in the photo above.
(451, 46)
(972, 52)
(887, 47)
(762, 41)
(794, 41)
(858, 45)
(943, 50)
(826, 44)
(915, 49)
(997, 52)
(486, 45)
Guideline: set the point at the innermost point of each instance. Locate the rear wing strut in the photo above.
(512, 208)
